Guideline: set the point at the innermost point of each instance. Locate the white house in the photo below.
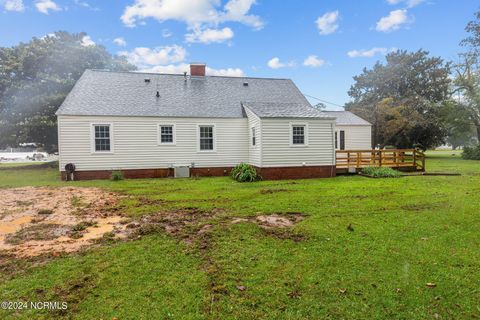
(160, 125)
(351, 131)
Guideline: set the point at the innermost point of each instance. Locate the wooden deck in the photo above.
(401, 159)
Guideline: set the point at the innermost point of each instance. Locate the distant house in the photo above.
(161, 125)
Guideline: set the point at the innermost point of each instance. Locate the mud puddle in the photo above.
(34, 221)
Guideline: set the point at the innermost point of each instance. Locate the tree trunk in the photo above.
(478, 132)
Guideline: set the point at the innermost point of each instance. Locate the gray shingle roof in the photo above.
(127, 94)
(347, 118)
(284, 110)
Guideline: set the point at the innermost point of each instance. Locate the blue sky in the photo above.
(319, 44)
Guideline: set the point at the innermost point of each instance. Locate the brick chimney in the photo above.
(197, 69)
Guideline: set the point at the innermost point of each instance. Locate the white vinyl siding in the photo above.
(276, 143)
(356, 137)
(135, 141)
(255, 151)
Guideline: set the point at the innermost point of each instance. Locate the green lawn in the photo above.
(408, 232)
(19, 164)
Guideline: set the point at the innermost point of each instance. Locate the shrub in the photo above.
(116, 176)
(471, 153)
(381, 172)
(245, 172)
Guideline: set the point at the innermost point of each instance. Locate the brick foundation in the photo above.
(210, 172)
(307, 172)
(127, 174)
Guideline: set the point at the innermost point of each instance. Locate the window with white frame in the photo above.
(167, 134)
(298, 134)
(206, 138)
(102, 141)
(254, 136)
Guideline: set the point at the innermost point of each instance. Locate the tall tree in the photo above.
(320, 106)
(460, 130)
(35, 78)
(414, 85)
(467, 78)
(473, 40)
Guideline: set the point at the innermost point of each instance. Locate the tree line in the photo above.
(416, 100)
(35, 78)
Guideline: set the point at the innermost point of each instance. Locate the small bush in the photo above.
(471, 153)
(381, 172)
(116, 176)
(245, 172)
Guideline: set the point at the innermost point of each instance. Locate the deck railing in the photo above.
(394, 158)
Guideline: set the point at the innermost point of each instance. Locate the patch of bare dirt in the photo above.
(37, 232)
(419, 206)
(188, 224)
(277, 225)
(34, 221)
(45, 220)
(273, 221)
(270, 191)
(279, 221)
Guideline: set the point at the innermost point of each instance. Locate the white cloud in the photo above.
(120, 42)
(193, 13)
(87, 41)
(45, 5)
(366, 53)
(13, 5)
(313, 61)
(183, 67)
(275, 63)
(409, 3)
(146, 57)
(328, 23)
(166, 33)
(229, 72)
(86, 5)
(209, 35)
(171, 69)
(49, 35)
(237, 10)
(393, 21)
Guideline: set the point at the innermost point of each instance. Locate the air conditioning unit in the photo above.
(181, 171)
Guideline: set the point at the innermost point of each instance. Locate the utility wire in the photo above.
(321, 100)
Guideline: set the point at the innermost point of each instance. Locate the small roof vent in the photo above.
(245, 84)
(147, 80)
